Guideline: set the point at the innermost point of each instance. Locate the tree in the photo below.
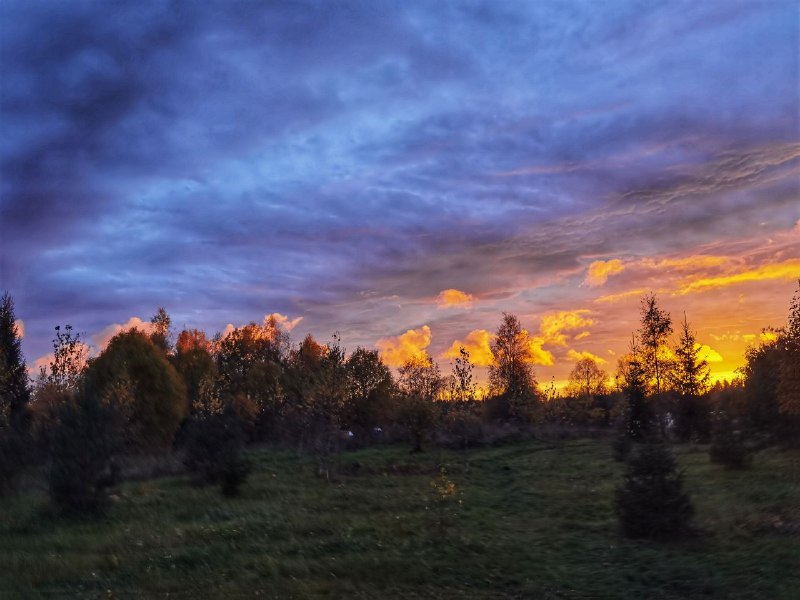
(193, 361)
(511, 375)
(638, 414)
(14, 388)
(370, 389)
(689, 378)
(462, 380)
(421, 384)
(69, 360)
(788, 391)
(587, 379)
(162, 330)
(135, 377)
(651, 502)
(654, 332)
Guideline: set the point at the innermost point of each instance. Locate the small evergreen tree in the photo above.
(14, 388)
(651, 502)
(82, 463)
(213, 445)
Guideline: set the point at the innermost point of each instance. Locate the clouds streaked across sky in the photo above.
(363, 164)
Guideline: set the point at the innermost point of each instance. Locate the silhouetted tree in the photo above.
(193, 361)
(689, 377)
(14, 388)
(587, 379)
(654, 332)
(462, 384)
(651, 502)
(511, 375)
(788, 390)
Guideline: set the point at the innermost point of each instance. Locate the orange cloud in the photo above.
(599, 271)
(581, 335)
(19, 328)
(450, 298)
(553, 324)
(283, 321)
(788, 269)
(396, 351)
(575, 356)
(478, 344)
(102, 338)
(686, 263)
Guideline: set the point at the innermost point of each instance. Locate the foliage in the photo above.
(651, 502)
(14, 388)
(13, 450)
(422, 378)
(511, 375)
(638, 414)
(82, 463)
(417, 414)
(213, 445)
(135, 377)
(193, 362)
(69, 362)
(446, 500)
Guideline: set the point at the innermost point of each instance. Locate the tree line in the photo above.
(206, 398)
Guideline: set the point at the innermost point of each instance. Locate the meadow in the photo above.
(533, 519)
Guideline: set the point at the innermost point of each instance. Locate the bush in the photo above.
(651, 503)
(82, 463)
(213, 446)
(621, 447)
(728, 446)
(12, 455)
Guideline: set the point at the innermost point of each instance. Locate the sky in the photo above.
(403, 172)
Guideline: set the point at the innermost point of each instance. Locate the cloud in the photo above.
(708, 353)
(478, 344)
(786, 270)
(19, 328)
(599, 271)
(575, 356)
(102, 338)
(411, 345)
(582, 335)
(554, 324)
(538, 355)
(621, 296)
(452, 297)
(283, 321)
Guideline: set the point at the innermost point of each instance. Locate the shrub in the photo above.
(213, 445)
(12, 455)
(728, 446)
(82, 463)
(621, 447)
(651, 502)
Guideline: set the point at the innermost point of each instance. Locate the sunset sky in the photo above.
(403, 172)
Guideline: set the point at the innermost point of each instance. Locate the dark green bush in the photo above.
(213, 446)
(82, 462)
(651, 502)
(728, 447)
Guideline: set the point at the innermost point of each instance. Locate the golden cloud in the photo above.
(708, 353)
(621, 295)
(452, 297)
(478, 344)
(19, 328)
(686, 263)
(396, 351)
(554, 324)
(538, 355)
(102, 338)
(581, 335)
(599, 271)
(575, 356)
(788, 269)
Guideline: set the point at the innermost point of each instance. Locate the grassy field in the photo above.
(530, 520)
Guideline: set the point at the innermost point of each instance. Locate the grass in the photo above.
(535, 520)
